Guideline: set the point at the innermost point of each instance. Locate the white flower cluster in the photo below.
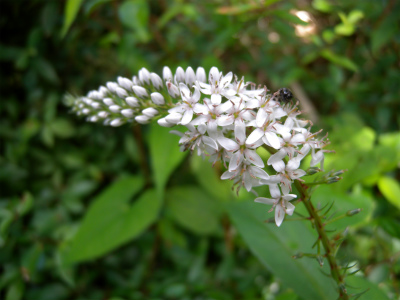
(227, 120)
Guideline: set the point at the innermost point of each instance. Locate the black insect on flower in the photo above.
(283, 95)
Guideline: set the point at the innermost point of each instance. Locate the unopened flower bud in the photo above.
(86, 111)
(127, 112)
(313, 170)
(125, 83)
(157, 98)
(338, 173)
(132, 101)
(180, 75)
(103, 114)
(115, 108)
(103, 92)
(156, 81)
(95, 105)
(333, 179)
(353, 212)
(140, 91)
(108, 101)
(190, 77)
(135, 80)
(173, 118)
(162, 122)
(112, 86)
(144, 76)
(201, 74)
(121, 92)
(116, 122)
(142, 119)
(150, 112)
(173, 89)
(167, 74)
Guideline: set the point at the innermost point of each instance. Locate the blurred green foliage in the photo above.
(91, 212)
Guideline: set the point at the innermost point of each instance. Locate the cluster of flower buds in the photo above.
(227, 120)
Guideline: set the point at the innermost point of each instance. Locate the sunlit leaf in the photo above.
(339, 60)
(70, 13)
(390, 188)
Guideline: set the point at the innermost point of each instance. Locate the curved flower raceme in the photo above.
(227, 120)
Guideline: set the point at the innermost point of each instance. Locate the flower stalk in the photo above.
(227, 119)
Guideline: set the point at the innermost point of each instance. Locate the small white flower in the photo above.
(157, 98)
(279, 202)
(218, 86)
(140, 91)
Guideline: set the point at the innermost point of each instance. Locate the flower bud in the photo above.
(108, 101)
(180, 75)
(93, 119)
(201, 74)
(173, 89)
(142, 119)
(116, 122)
(167, 74)
(150, 112)
(156, 81)
(144, 76)
(103, 92)
(353, 212)
(95, 105)
(125, 83)
(173, 118)
(115, 108)
(121, 92)
(190, 77)
(162, 122)
(103, 114)
(86, 111)
(157, 98)
(132, 101)
(313, 170)
(140, 91)
(112, 86)
(127, 112)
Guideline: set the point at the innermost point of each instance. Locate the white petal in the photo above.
(265, 200)
(298, 138)
(227, 79)
(279, 215)
(290, 208)
(228, 144)
(225, 120)
(196, 95)
(209, 141)
(257, 172)
(261, 117)
(277, 156)
(273, 140)
(297, 174)
(289, 197)
(254, 158)
(185, 92)
(279, 166)
(274, 191)
(235, 161)
(240, 132)
(187, 116)
(216, 99)
(162, 122)
(214, 75)
(254, 136)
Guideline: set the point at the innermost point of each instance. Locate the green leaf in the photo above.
(193, 209)
(134, 14)
(384, 33)
(62, 128)
(165, 154)
(112, 221)
(358, 284)
(390, 188)
(274, 247)
(339, 60)
(322, 5)
(70, 13)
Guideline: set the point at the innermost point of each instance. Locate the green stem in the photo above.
(322, 234)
